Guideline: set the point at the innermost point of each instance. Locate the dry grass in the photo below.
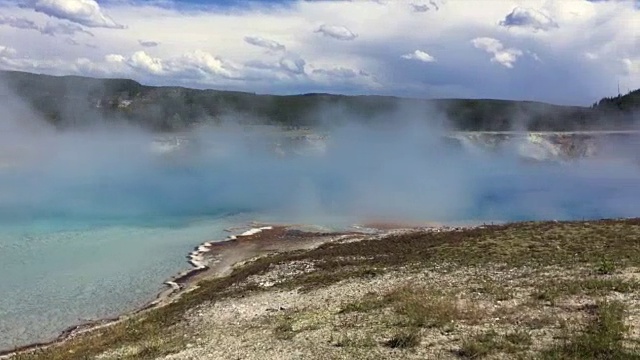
(602, 337)
(592, 286)
(552, 281)
(418, 306)
(404, 340)
(490, 342)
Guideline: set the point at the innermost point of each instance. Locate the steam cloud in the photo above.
(398, 167)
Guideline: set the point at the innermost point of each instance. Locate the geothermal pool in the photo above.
(92, 225)
(55, 275)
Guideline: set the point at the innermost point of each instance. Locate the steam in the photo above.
(400, 166)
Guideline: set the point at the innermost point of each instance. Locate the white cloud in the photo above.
(10, 59)
(206, 47)
(72, 41)
(420, 56)
(194, 64)
(264, 43)
(339, 72)
(420, 7)
(201, 61)
(114, 58)
(18, 23)
(336, 32)
(528, 18)
(501, 55)
(424, 7)
(591, 56)
(631, 66)
(84, 12)
(344, 77)
(64, 29)
(7, 51)
(148, 43)
(48, 29)
(293, 64)
(289, 66)
(143, 61)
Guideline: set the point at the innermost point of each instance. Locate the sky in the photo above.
(562, 51)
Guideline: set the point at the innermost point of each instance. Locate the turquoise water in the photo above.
(58, 274)
(92, 226)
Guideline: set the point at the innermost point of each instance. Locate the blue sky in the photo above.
(567, 52)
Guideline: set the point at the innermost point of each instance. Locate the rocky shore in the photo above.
(210, 259)
(543, 290)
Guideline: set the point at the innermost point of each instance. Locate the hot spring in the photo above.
(92, 222)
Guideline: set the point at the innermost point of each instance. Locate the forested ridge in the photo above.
(71, 101)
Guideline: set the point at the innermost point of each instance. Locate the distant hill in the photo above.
(626, 103)
(71, 101)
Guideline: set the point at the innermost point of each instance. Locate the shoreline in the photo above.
(182, 282)
(354, 296)
(195, 258)
(174, 285)
(213, 259)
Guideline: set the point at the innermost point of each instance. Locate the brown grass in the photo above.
(607, 246)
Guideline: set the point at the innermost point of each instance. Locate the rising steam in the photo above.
(402, 167)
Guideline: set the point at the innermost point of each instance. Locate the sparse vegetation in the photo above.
(497, 291)
(356, 340)
(404, 340)
(525, 290)
(419, 307)
(606, 267)
(284, 330)
(602, 338)
(489, 342)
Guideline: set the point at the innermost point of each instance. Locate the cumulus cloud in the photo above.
(336, 32)
(293, 64)
(420, 56)
(504, 56)
(194, 64)
(264, 43)
(84, 12)
(143, 61)
(201, 61)
(114, 58)
(392, 30)
(148, 43)
(528, 18)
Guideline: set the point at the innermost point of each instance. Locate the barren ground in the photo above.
(550, 290)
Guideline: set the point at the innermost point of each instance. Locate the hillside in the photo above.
(627, 103)
(71, 101)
